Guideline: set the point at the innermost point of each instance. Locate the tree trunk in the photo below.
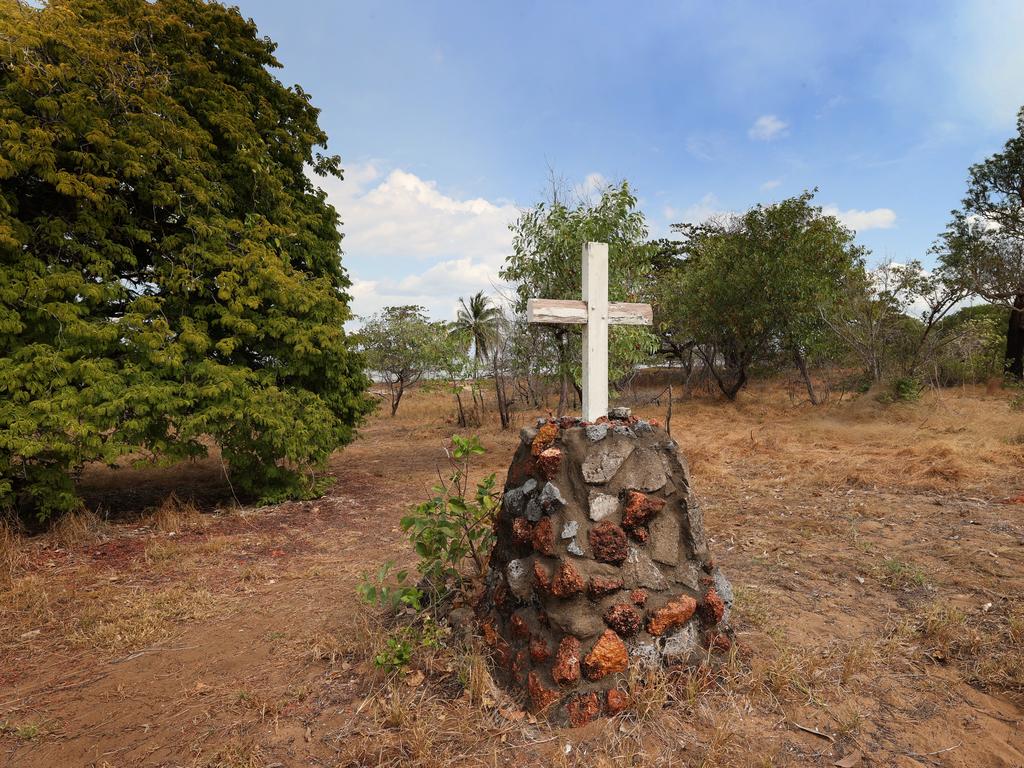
(1015, 340)
(462, 412)
(801, 364)
(733, 367)
(563, 390)
(499, 395)
(396, 397)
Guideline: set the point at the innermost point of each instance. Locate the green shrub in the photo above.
(905, 389)
(392, 594)
(455, 526)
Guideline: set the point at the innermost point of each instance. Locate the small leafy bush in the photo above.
(456, 525)
(393, 593)
(396, 653)
(905, 389)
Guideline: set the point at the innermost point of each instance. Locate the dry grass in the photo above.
(236, 754)
(78, 529)
(990, 644)
(118, 620)
(174, 515)
(11, 555)
(877, 577)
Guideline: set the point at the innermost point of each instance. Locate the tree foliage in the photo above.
(169, 270)
(546, 263)
(984, 242)
(749, 284)
(401, 345)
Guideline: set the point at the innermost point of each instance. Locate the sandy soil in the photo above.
(876, 550)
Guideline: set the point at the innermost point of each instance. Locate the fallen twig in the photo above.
(815, 731)
(153, 650)
(936, 752)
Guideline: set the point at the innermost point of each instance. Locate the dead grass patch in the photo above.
(26, 604)
(77, 529)
(116, 620)
(324, 648)
(175, 515)
(11, 555)
(161, 552)
(236, 754)
(990, 644)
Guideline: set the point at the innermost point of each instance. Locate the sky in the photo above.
(450, 117)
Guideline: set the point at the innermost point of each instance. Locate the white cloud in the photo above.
(708, 207)
(592, 186)
(770, 184)
(768, 128)
(876, 218)
(394, 219)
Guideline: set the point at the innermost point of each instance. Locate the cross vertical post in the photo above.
(594, 313)
(595, 332)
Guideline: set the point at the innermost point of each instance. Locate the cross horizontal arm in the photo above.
(556, 311)
(567, 311)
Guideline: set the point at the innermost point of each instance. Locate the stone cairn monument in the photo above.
(600, 562)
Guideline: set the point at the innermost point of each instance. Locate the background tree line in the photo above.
(780, 287)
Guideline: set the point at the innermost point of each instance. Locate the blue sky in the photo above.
(448, 116)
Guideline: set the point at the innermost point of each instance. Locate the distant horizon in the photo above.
(449, 119)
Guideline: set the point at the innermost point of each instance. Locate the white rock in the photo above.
(603, 505)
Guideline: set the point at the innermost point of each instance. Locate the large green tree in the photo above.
(168, 270)
(758, 282)
(985, 241)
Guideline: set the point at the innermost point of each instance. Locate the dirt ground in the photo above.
(877, 552)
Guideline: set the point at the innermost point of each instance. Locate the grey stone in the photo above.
(724, 590)
(688, 574)
(576, 617)
(596, 432)
(619, 413)
(527, 435)
(570, 529)
(644, 471)
(680, 647)
(640, 571)
(515, 500)
(604, 461)
(694, 525)
(551, 499)
(645, 654)
(574, 549)
(518, 578)
(534, 511)
(643, 427)
(603, 505)
(664, 537)
(622, 429)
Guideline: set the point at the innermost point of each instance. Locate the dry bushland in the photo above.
(877, 558)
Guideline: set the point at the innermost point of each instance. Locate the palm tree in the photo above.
(479, 322)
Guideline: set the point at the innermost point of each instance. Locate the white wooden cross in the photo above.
(594, 313)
